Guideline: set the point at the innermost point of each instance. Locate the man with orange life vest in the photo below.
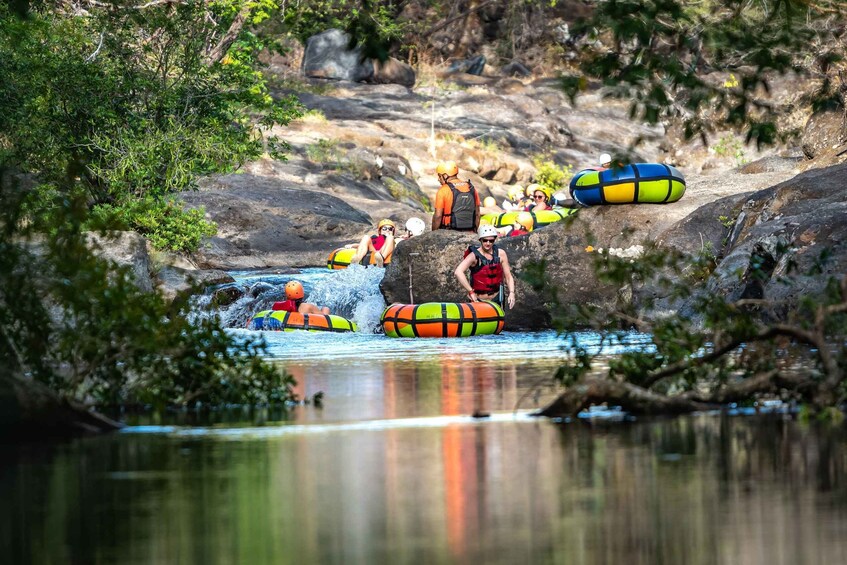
(381, 244)
(489, 267)
(294, 301)
(456, 202)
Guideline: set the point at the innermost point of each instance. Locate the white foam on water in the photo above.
(522, 416)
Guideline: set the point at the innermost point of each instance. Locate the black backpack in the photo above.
(464, 208)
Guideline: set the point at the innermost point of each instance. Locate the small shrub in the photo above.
(549, 174)
(729, 145)
(313, 116)
(167, 225)
(323, 152)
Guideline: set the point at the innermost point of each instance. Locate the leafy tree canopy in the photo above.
(112, 107)
(665, 56)
(135, 100)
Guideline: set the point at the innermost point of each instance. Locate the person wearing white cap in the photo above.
(605, 161)
(489, 267)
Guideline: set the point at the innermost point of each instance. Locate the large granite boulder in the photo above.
(264, 222)
(328, 55)
(797, 228)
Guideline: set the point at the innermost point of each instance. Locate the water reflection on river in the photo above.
(394, 470)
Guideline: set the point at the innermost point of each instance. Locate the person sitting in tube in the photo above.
(523, 224)
(489, 268)
(540, 199)
(515, 199)
(294, 301)
(381, 245)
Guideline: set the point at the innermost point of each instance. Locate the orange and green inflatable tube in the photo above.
(443, 319)
(283, 321)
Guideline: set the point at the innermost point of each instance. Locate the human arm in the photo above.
(436, 219)
(507, 276)
(387, 247)
(466, 264)
(438, 212)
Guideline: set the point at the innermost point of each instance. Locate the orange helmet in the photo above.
(449, 168)
(526, 220)
(294, 290)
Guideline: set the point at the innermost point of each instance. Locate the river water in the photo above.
(424, 451)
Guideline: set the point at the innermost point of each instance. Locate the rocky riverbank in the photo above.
(365, 151)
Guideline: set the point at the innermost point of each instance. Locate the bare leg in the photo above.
(361, 250)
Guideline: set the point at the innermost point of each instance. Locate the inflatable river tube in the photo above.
(539, 219)
(282, 321)
(340, 258)
(641, 183)
(443, 319)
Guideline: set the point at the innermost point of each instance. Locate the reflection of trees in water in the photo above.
(688, 490)
(708, 489)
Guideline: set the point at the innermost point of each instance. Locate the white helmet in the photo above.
(415, 226)
(605, 159)
(487, 230)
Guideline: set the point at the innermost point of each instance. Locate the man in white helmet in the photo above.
(605, 161)
(489, 267)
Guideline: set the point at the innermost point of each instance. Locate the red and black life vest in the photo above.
(487, 274)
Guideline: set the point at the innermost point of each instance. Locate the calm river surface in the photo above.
(394, 469)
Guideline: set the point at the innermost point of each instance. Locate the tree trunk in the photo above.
(31, 411)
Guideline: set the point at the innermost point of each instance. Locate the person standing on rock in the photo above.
(294, 301)
(489, 267)
(456, 202)
(380, 245)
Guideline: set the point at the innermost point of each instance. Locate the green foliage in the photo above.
(166, 224)
(313, 116)
(82, 327)
(135, 102)
(731, 146)
(553, 176)
(400, 193)
(708, 353)
(325, 151)
(660, 59)
(373, 24)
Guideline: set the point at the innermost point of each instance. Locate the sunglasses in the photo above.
(387, 228)
(489, 240)
(539, 197)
